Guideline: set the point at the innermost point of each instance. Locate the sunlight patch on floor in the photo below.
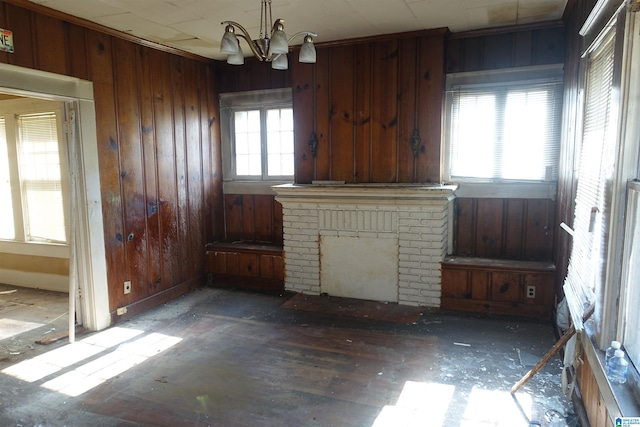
(496, 408)
(418, 402)
(11, 327)
(131, 351)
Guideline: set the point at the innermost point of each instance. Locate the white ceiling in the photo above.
(195, 25)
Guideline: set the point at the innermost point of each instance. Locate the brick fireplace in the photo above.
(382, 242)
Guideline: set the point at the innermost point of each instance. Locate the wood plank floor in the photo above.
(219, 357)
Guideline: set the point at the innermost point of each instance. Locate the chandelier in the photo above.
(271, 46)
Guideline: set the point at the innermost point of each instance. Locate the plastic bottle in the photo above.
(615, 345)
(617, 369)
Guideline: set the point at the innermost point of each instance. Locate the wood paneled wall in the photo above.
(253, 217)
(363, 101)
(508, 47)
(159, 160)
(592, 398)
(517, 229)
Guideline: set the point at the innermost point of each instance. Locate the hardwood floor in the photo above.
(221, 357)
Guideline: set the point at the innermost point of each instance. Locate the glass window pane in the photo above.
(247, 143)
(473, 136)
(505, 132)
(40, 176)
(280, 142)
(525, 134)
(7, 227)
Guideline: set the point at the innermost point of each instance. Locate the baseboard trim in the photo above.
(155, 300)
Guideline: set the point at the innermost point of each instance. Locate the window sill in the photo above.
(620, 400)
(251, 187)
(513, 190)
(49, 250)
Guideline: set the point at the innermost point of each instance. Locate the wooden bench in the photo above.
(245, 264)
(522, 288)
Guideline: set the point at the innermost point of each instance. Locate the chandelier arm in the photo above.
(245, 35)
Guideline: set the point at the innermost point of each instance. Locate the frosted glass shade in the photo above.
(308, 51)
(279, 42)
(236, 58)
(229, 42)
(280, 63)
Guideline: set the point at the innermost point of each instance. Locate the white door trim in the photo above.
(91, 256)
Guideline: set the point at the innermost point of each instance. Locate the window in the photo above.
(503, 126)
(585, 274)
(33, 184)
(257, 132)
(263, 143)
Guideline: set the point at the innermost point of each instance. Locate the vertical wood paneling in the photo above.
(263, 217)
(363, 101)
(522, 47)
(322, 89)
(539, 228)
(212, 152)
(475, 51)
(166, 166)
(253, 217)
(233, 212)
(514, 233)
(50, 32)
(179, 131)
(193, 163)
(76, 46)
(429, 105)
(248, 230)
(489, 228)
(363, 114)
(497, 51)
(4, 56)
(465, 227)
(150, 169)
(131, 167)
(20, 22)
(341, 114)
(517, 229)
(407, 108)
(305, 110)
(100, 66)
(384, 112)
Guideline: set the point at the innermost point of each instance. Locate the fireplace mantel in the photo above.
(382, 242)
(362, 192)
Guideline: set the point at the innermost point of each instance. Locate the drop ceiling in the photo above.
(195, 25)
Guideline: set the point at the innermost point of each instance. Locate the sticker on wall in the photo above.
(6, 40)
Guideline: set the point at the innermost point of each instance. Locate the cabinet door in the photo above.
(506, 287)
(480, 285)
(455, 283)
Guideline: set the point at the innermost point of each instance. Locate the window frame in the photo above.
(10, 109)
(493, 187)
(242, 101)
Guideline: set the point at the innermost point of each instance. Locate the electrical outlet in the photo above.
(531, 291)
(120, 311)
(127, 287)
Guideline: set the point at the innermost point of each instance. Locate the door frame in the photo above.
(90, 248)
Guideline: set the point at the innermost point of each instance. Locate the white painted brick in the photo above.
(405, 248)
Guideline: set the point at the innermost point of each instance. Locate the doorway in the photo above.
(87, 258)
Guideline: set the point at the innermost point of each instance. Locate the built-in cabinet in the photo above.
(523, 288)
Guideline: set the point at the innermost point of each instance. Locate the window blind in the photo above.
(585, 270)
(40, 177)
(507, 131)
